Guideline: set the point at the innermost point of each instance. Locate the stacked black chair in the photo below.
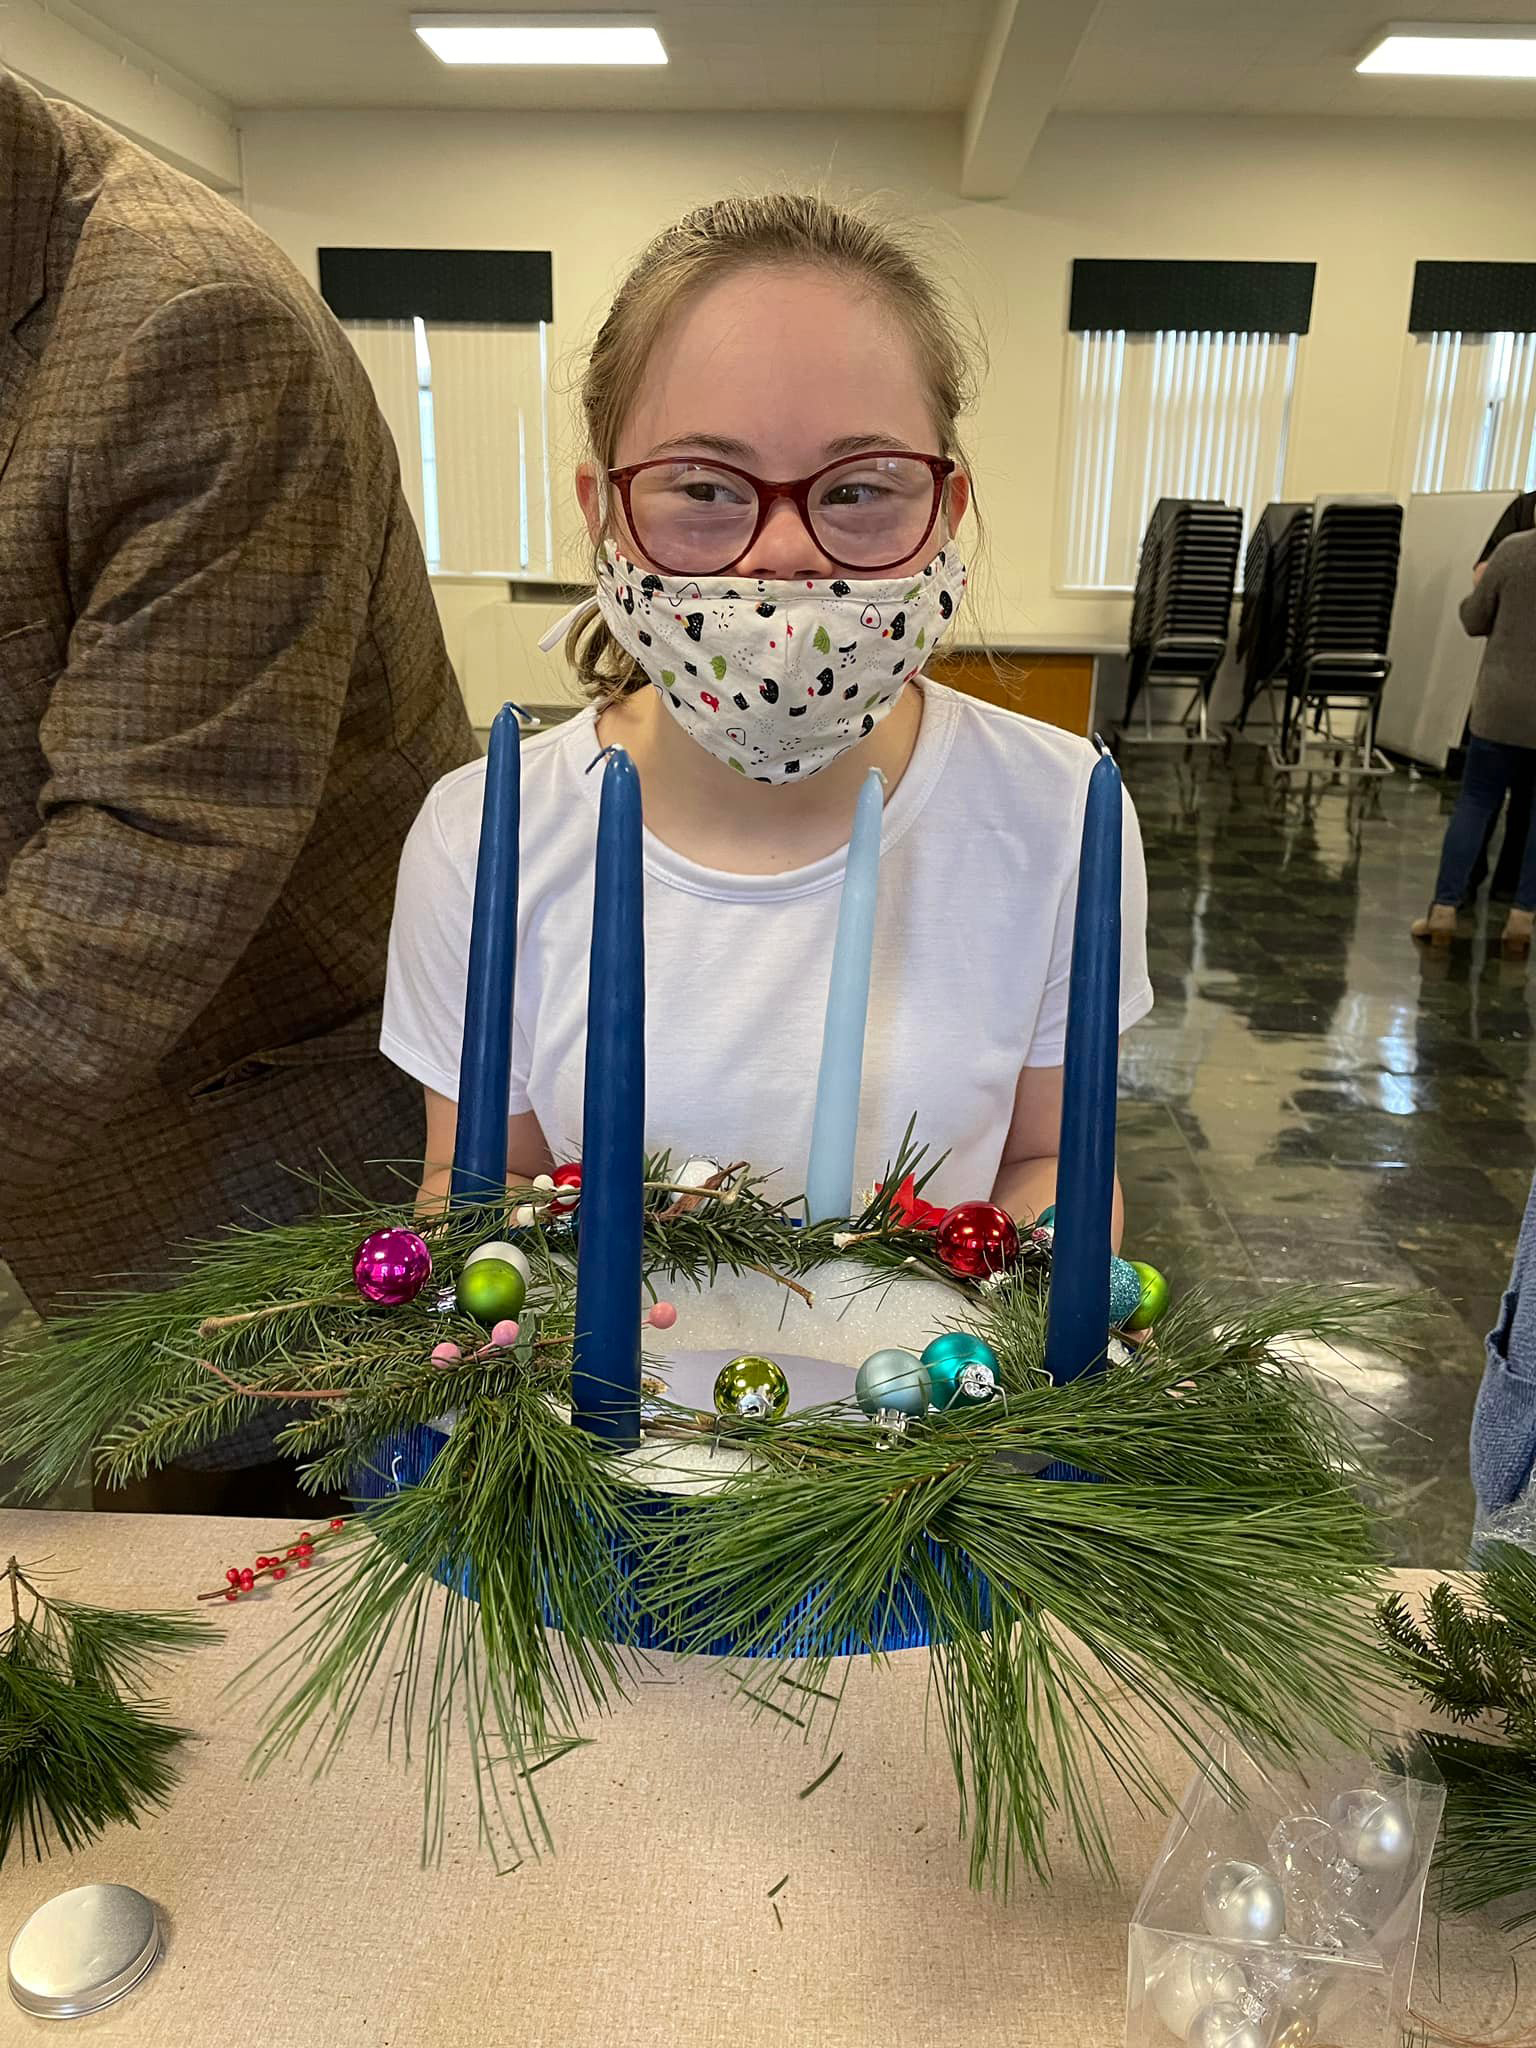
(1339, 661)
(1181, 615)
(1272, 581)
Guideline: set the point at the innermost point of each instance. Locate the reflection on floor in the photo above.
(1315, 1098)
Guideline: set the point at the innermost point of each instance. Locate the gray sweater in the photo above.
(1504, 1426)
(1501, 608)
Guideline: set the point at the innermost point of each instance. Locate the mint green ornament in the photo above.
(492, 1290)
(962, 1370)
(892, 1382)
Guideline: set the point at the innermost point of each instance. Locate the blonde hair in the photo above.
(712, 242)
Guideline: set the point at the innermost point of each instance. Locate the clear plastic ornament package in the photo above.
(1290, 1920)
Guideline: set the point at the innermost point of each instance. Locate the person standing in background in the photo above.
(223, 697)
(1519, 516)
(1501, 608)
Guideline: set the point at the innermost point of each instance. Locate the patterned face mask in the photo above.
(778, 679)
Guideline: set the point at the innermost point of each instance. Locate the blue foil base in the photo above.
(403, 1460)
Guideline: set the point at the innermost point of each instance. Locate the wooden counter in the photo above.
(297, 1914)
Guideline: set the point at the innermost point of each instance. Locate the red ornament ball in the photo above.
(392, 1267)
(568, 1176)
(976, 1239)
(281, 1572)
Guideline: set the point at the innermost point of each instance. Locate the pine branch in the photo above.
(78, 1747)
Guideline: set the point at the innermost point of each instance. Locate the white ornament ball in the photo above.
(512, 1253)
(1225, 2026)
(696, 1173)
(1241, 1902)
(1190, 1980)
(1375, 1830)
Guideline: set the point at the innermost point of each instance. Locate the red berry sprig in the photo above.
(276, 1565)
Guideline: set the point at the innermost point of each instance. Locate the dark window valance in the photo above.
(505, 287)
(1473, 298)
(1146, 296)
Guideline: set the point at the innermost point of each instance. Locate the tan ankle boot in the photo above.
(1439, 928)
(1516, 942)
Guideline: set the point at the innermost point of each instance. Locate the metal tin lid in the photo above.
(82, 1950)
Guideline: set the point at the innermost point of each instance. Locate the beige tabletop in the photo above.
(297, 1914)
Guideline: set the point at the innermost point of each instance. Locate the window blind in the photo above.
(1470, 411)
(1165, 414)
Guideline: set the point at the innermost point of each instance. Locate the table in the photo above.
(297, 1914)
(1053, 678)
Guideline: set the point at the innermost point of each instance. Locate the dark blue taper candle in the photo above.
(605, 1367)
(1077, 1326)
(485, 1059)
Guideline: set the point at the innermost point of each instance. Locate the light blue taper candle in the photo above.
(829, 1176)
(485, 1058)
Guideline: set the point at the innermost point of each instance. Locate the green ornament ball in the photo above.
(1124, 1293)
(752, 1389)
(962, 1370)
(892, 1382)
(492, 1290)
(1154, 1295)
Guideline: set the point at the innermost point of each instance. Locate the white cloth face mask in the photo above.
(777, 679)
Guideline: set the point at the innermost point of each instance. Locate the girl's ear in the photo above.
(957, 498)
(589, 496)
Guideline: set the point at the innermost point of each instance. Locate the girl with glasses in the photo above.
(774, 488)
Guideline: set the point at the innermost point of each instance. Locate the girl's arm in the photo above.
(1026, 1180)
(527, 1152)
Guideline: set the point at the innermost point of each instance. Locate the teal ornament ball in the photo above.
(753, 1389)
(492, 1290)
(1046, 1220)
(1154, 1295)
(1124, 1293)
(892, 1382)
(962, 1370)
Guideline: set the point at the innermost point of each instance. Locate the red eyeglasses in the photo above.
(694, 517)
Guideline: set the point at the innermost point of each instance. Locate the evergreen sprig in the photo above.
(1473, 1657)
(79, 1746)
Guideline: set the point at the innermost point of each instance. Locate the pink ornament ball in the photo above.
(392, 1267)
(662, 1316)
(446, 1354)
(504, 1335)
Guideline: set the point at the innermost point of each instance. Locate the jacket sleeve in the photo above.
(1480, 606)
(1504, 1422)
(218, 553)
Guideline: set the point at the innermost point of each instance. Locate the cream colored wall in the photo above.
(1363, 199)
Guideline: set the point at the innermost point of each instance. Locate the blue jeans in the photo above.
(1490, 770)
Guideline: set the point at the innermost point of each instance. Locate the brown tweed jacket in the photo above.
(223, 696)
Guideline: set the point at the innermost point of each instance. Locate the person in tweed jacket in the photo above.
(223, 697)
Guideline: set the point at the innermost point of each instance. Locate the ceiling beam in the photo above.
(1027, 57)
(69, 55)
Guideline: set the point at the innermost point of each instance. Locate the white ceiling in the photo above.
(873, 55)
(1139, 56)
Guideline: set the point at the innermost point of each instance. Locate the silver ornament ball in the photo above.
(1241, 1902)
(1189, 1980)
(695, 1173)
(1225, 2026)
(1375, 1830)
(512, 1253)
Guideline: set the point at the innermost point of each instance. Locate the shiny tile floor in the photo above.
(1314, 1097)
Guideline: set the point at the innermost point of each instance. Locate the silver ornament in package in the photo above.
(1289, 1918)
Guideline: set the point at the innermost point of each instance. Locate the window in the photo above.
(456, 344)
(1469, 412)
(1175, 413)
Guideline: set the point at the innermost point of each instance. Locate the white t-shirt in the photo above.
(973, 943)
